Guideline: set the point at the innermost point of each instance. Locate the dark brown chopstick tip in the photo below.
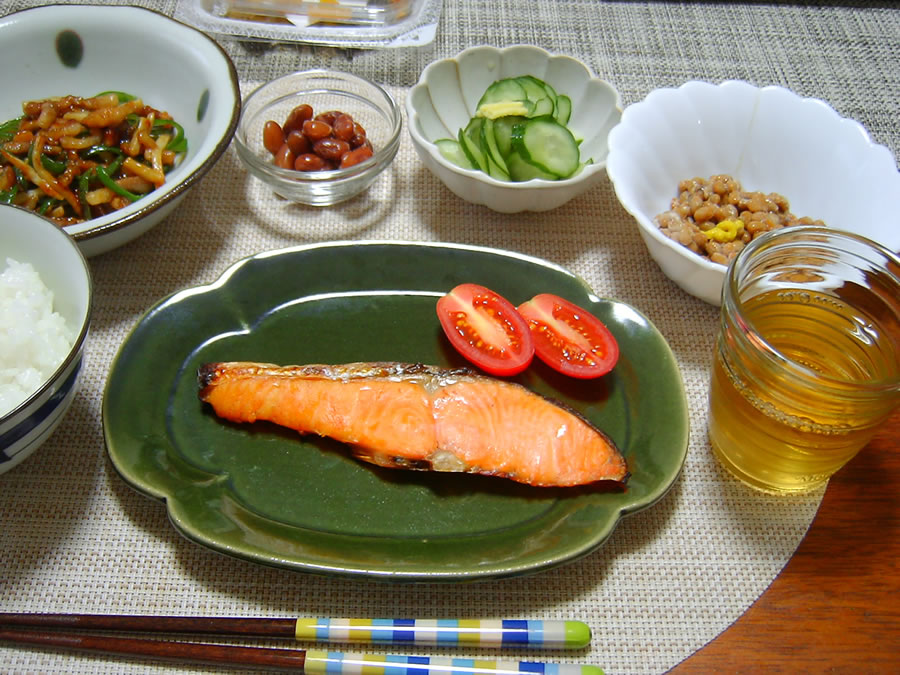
(165, 650)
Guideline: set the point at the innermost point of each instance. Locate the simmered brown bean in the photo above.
(328, 117)
(309, 162)
(356, 156)
(316, 129)
(717, 218)
(308, 142)
(331, 148)
(298, 142)
(343, 127)
(285, 157)
(273, 136)
(359, 135)
(297, 117)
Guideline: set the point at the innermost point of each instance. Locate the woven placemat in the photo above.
(75, 538)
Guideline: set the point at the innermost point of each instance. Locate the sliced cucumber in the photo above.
(468, 141)
(473, 128)
(494, 170)
(549, 145)
(452, 151)
(489, 145)
(503, 90)
(503, 130)
(521, 169)
(563, 109)
(543, 107)
(537, 92)
(524, 95)
(496, 165)
(551, 92)
(518, 133)
(536, 89)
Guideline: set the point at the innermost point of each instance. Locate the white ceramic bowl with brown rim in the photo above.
(83, 50)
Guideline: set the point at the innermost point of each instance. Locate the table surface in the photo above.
(834, 607)
(712, 577)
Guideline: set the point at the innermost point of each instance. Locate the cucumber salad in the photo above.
(519, 132)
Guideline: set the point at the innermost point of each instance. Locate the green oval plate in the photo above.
(268, 495)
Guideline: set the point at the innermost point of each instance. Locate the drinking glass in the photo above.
(807, 359)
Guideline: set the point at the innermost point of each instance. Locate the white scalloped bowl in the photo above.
(445, 99)
(771, 140)
(86, 49)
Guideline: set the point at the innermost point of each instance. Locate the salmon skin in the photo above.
(415, 416)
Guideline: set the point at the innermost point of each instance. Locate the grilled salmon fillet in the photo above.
(416, 416)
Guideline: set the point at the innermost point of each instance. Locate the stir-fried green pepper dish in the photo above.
(72, 159)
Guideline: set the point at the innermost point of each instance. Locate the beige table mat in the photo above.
(75, 538)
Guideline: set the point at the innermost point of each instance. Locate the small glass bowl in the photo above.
(369, 105)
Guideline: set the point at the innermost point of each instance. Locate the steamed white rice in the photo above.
(34, 340)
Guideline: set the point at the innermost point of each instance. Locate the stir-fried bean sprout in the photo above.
(72, 159)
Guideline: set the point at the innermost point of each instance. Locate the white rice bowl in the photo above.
(45, 312)
(34, 339)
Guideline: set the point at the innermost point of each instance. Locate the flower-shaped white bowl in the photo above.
(447, 94)
(27, 238)
(87, 49)
(771, 140)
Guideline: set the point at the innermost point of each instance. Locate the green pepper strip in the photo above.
(113, 185)
(21, 181)
(46, 203)
(49, 163)
(113, 166)
(7, 196)
(177, 144)
(84, 187)
(97, 149)
(9, 128)
(52, 165)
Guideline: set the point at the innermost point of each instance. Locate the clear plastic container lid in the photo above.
(346, 23)
(307, 12)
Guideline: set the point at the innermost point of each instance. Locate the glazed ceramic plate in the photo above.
(268, 495)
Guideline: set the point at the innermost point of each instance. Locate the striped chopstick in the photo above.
(55, 630)
(499, 633)
(309, 662)
(476, 633)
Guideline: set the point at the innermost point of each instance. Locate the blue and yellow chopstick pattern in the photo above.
(341, 663)
(476, 633)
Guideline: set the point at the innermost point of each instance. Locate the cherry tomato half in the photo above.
(486, 329)
(569, 339)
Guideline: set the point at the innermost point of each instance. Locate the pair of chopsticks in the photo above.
(67, 631)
